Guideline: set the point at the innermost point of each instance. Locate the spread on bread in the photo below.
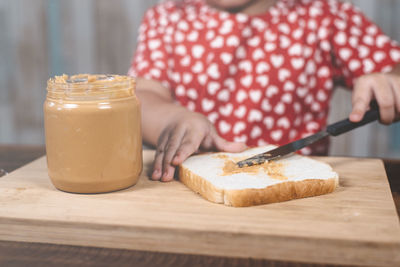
(218, 178)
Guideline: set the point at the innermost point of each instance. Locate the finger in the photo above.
(223, 145)
(362, 95)
(395, 84)
(168, 173)
(190, 144)
(158, 159)
(157, 168)
(385, 98)
(172, 145)
(207, 144)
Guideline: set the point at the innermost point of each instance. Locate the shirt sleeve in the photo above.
(150, 59)
(359, 46)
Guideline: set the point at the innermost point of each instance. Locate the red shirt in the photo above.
(260, 79)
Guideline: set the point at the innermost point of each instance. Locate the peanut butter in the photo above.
(273, 169)
(93, 134)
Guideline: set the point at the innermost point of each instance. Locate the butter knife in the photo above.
(334, 129)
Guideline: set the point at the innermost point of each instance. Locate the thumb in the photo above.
(223, 145)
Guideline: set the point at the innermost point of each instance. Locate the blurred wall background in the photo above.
(43, 38)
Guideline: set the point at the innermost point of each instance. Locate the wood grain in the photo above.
(357, 224)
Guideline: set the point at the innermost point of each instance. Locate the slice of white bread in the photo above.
(216, 177)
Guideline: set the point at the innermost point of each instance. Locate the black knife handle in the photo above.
(346, 125)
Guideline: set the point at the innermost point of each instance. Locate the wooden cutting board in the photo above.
(357, 224)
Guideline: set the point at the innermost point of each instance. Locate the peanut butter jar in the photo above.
(93, 133)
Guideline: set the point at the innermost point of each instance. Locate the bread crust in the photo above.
(249, 197)
(201, 186)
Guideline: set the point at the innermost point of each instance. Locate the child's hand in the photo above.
(385, 88)
(183, 137)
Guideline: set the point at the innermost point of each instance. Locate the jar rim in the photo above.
(82, 81)
(90, 86)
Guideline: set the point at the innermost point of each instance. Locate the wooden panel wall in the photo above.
(23, 58)
(42, 38)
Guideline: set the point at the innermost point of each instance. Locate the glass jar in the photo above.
(93, 133)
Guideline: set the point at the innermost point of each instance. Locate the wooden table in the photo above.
(36, 254)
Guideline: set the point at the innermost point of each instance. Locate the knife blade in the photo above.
(334, 129)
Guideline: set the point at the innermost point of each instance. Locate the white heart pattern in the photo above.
(213, 71)
(265, 105)
(269, 47)
(226, 58)
(345, 53)
(295, 50)
(287, 98)
(226, 27)
(288, 86)
(255, 132)
(269, 122)
(276, 135)
(297, 63)
(187, 77)
(218, 42)
(223, 95)
(241, 96)
(230, 83)
(262, 67)
(185, 61)
(224, 127)
(340, 38)
(254, 115)
(240, 139)
(239, 126)
(255, 95)
(247, 80)
(232, 41)
(379, 56)
(193, 36)
(254, 42)
(180, 50)
(369, 65)
(245, 65)
(213, 116)
(240, 112)
(283, 123)
(363, 51)
(154, 44)
(202, 79)
(279, 108)
(198, 67)
(277, 60)
(283, 74)
(284, 41)
(213, 87)
(271, 90)
(197, 51)
(395, 55)
(262, 80)
(258, 54)
(323, 72)
(354, 64)
(226, 110)
(192, 94)
(180, 90)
